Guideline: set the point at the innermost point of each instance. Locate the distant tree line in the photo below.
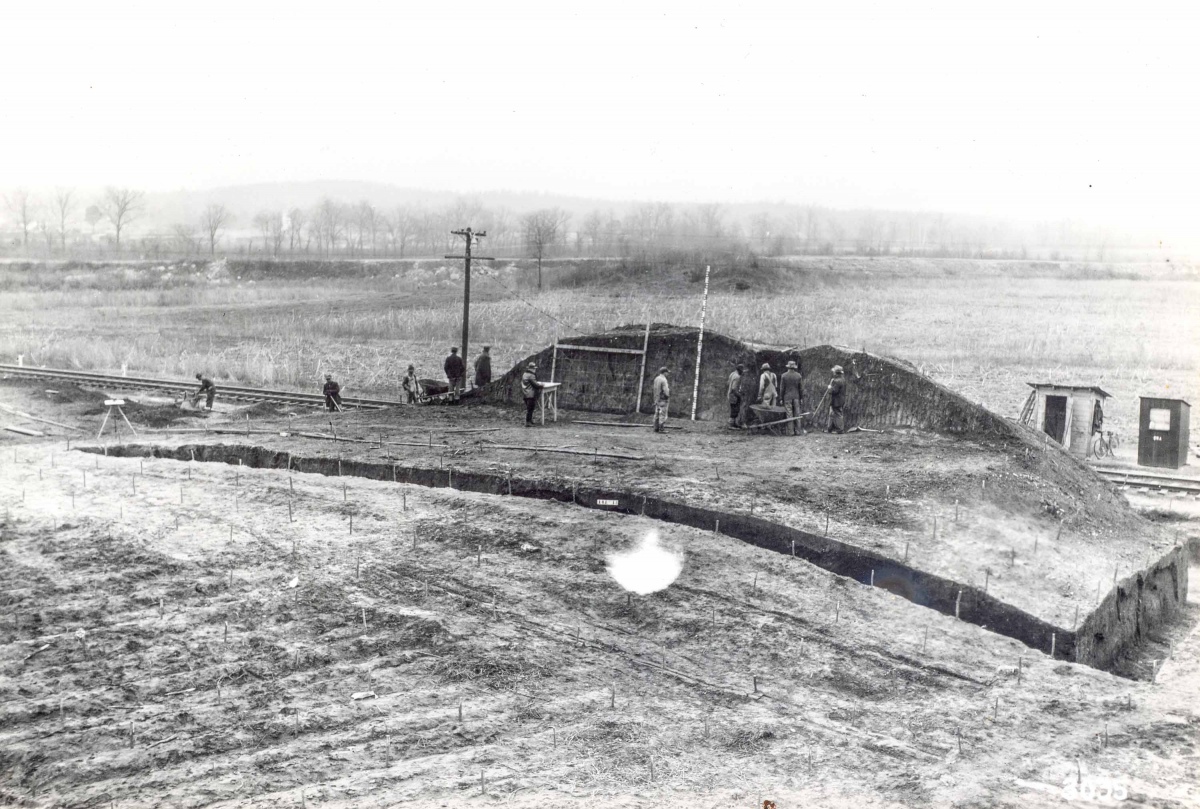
(52, 224)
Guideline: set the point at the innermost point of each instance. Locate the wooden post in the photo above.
(642, 376)
(700, 343)
(1053, 641)
(957, 603)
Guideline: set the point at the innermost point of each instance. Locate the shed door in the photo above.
(1055, 421)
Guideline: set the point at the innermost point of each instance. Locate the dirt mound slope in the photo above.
(881, 392)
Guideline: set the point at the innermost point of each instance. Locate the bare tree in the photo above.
(64, 203)
(121, 206)
(276, 232)
(593, 227)
(404, 227)
(184, 237)
(709, 217)
(92, 216)
(541, 229)
(296, 218)
(22, 204)
(43, 226)
(329, 220)
(212, 221)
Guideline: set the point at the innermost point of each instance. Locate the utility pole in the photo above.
(471, 236)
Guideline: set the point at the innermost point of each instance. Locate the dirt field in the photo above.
(208, 652)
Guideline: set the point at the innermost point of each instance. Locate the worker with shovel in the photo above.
(333, 394)
(207, 388)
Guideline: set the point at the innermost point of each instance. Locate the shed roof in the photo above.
(1094, 388)
(1167, 399)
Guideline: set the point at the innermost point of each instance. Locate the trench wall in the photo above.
(1124, 615)
(880, 392)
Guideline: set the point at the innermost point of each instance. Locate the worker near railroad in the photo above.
(662, 400)
(530, 388)
(837, 400)
(735, 394)
(207, 389)
(412, 388)
(790, 392)
(768, 386)
(483, 367)
(456, 372)
(333, 394)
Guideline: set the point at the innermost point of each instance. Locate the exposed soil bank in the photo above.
(1134, 607)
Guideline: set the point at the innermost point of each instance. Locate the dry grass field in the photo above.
(983, 328)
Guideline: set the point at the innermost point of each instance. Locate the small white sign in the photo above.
(608, 502)
(1160, 419)
(114, 402)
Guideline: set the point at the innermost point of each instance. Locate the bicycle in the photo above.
(1104, 444)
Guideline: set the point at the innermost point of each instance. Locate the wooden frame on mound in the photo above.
(637, 405)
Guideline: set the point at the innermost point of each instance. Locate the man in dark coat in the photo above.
(456, 372)
(790, 392)
(837, 400)
(333, 393)
(483, 367)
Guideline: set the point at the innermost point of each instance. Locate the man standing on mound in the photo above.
(529, 389)
(662, 400)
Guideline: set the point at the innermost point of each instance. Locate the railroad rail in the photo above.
(1149, 481)
(233, 392)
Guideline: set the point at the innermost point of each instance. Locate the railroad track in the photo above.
(1150, 481)
(168, 386)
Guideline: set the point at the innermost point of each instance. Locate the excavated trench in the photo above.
(1134, 606)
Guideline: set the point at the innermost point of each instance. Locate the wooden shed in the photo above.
(1066, 413)
(1163, 432)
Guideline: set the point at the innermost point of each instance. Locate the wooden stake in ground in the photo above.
(1053, 641)
(957, 603)
(872, 577)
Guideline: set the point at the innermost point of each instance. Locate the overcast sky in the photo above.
(1035, 110)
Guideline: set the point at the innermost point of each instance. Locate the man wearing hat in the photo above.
(837, 400)
(789, 391)
(529, 389)
(768, 386)
(206, 389)
(483, 367)
(456, 372)
(662, 400)
(333, 393)
(735, 394)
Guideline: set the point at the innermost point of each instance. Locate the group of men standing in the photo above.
(786, 391)
(456, 371)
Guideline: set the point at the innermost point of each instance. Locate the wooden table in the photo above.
(548, 395)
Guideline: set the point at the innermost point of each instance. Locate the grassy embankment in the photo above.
(982, 327)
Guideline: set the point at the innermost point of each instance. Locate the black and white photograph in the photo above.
(537, 404)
